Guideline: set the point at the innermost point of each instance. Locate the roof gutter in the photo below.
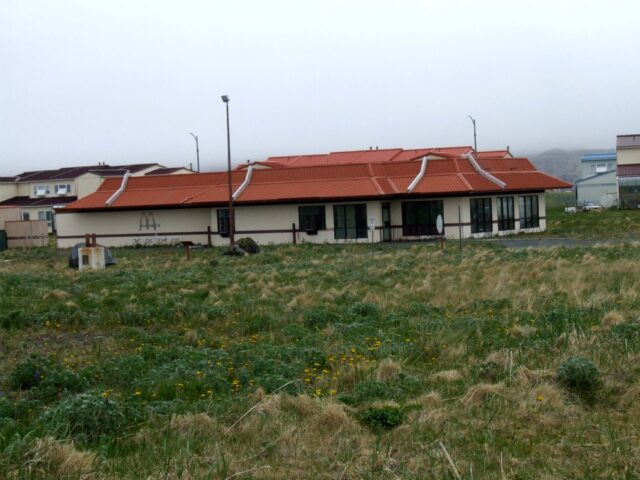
(423, 169)
(117, 193)
(484, 173)
(244, 184)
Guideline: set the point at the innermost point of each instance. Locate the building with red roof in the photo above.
(359, 196)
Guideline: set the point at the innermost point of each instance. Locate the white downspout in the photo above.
(423, 169)
(244, 184)
(483, 173)
(117, 193)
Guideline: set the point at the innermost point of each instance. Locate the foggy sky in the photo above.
(121, 81)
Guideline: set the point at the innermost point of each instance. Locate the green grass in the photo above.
(352, 361)
(595, 225)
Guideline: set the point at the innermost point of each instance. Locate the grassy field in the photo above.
(603, 224)
(340, 362)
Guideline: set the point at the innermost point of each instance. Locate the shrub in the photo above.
(87, 416)
(490, 371)
(248, 245)
(580, 375)
(30, 372)
(60, 380)
(366, 391)
(318, 317)
(382, 418)
(628, 331)
(365, 310)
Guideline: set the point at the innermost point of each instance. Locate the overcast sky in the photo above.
(124, 81)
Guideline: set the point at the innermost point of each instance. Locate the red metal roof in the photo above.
(493, 154)
(358, 156)
(443, 176)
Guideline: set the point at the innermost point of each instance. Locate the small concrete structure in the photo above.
(91, 258)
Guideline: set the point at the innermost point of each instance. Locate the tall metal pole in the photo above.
(475, 140)
(195, 137)
(225, 99)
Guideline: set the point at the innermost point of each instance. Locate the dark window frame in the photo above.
(419, 218)
(481, 212)
(529, 211)
(312, 222)
(360, 229)
(223, 221)
(506, 213)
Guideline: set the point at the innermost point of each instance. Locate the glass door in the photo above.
(386, 222)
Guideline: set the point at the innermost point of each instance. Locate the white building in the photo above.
(361, 196)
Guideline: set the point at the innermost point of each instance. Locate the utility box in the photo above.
(91, 258)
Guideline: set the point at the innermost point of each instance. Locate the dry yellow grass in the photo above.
(480, 393)
(387, 369)
(448, 376)
(612, 318)
(61, 459)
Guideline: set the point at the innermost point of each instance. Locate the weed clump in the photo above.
(581, 376)
(364, 310)
(382, 418)
(30, 372)
(249, 245)
(318, 317)
(88, 416)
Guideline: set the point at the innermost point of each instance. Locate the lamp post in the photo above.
(195, 137)
(475, 142)
(225, 99)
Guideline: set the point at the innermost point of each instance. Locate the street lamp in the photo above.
(195, 137)
(225, 99)
(475, 142)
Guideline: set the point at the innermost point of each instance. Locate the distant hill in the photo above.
(564, 164)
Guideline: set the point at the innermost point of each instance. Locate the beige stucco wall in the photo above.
(148, 227)
(8, 190)
(281, 217)
(87, 184)
(628, 156)
(450, 217)
(142, 173)
(8, 214)
(264, 223)
(26, 189)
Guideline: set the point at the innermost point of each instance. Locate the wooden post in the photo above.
(293, 230)
(209, 236)
(87, 240)
(94, 240)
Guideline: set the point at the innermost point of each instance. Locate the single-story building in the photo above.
(329, 201)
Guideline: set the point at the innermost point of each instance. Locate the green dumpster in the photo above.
(3, 240)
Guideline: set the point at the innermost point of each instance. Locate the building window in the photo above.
(629, 192)
(312, 218)
(41, 190)
(601, 167)
(529, 212)
(481, 221)
(506, 216)
(419, 218)
(350, 221)
(223, 222)
(62, 189)
(46, 215)
(26, 216)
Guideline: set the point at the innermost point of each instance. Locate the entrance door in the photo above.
(386, 222)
